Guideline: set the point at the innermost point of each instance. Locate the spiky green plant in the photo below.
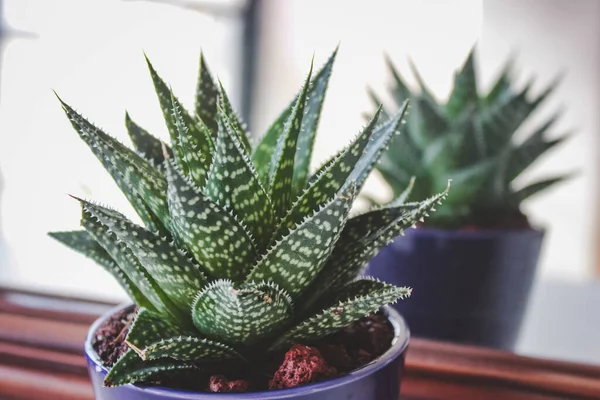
(241, 252)
(470, 139)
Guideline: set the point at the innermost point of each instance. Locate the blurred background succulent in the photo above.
(242, 250)
(470, 138)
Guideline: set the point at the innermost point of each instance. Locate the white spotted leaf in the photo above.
(195, 134)
(206, 98)
(214, 236)
(281, 168)
(362, 239)
(131, 266)
(234, 184)
(190, 348)
(237, 126)
(197, 154)
(310, 123)
(173, 271)
(241, 313)
(130, 368)
(152, 337)
(149, 327)
(348, 309)
(143, 185)
(263, 153)
(296, 259)
(145, 144)
(329, 182)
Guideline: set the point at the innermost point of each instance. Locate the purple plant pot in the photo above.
(378, 380)
(468, 286)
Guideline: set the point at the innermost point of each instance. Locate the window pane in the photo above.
(91, 53)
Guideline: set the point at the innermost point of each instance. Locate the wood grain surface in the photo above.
(41, 357)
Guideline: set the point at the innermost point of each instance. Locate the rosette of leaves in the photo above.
(470, 138)
(241, 251)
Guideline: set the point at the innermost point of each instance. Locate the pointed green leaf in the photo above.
(151, 337)
(130, 265)
(189, 348)
(401, 162)
(237, 126)
(399, 90)
(522, 156)
(164, 98)
(261, 157)
(149, 327)
(143, 185)
(170, 267)
(427, 122)
(347, 310)
(306, 248)
(234, 184)
(440, 155)
(500, 123)
(501, 89)
(310, 122)
(281, 169)
(206, 98)
(360, 287)
(361, 226)
(130, 368)
(263, 153)
(396, 176)
(145, 144)
(197, 158)
(214, 236)
(425, 91)
(330, 180)
(471, 147)
(469, 181)
(243, 313)
(362, 238)
(200, 137)
(377, 146)
(464, 92)
(377, 103)
(84, 243)
(405, 195)
(534, 188)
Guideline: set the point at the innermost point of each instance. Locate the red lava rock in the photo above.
(220, 384)
(109, 341)
(301, 365)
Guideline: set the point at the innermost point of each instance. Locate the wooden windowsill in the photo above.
(41, 342)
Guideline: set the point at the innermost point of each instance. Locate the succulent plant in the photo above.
(241, 252)
(470, 138)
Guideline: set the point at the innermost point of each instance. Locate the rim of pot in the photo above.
(399, 345)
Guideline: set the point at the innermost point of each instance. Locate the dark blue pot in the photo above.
(379, 380)
(468, 287)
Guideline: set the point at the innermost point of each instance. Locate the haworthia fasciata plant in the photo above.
(242, 250)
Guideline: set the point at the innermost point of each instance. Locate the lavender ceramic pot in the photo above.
(468, 286)
(379, 380)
